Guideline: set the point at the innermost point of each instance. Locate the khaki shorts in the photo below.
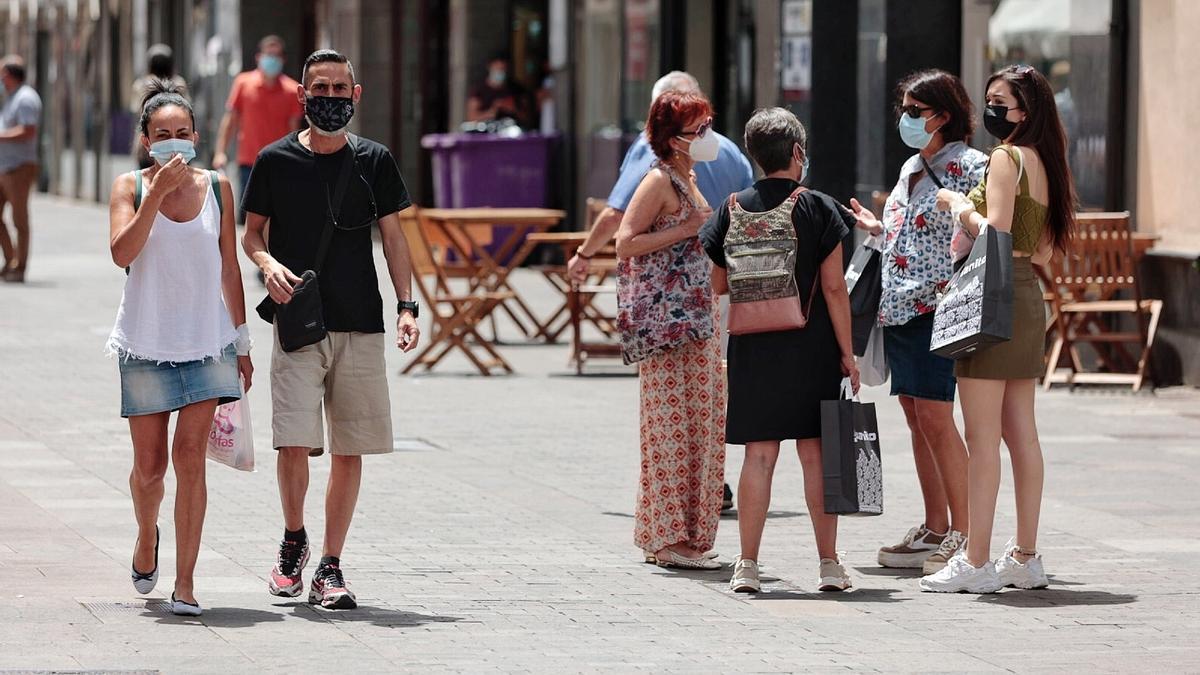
(345, 371)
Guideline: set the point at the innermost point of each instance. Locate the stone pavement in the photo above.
(502, 542)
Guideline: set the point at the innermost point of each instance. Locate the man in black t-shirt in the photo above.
(291, 188)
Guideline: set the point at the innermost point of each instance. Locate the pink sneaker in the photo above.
(329, 589)
(286, 579)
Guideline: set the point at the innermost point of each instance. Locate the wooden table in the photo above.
(468, 231)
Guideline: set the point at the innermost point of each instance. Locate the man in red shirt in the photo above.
(262, 108)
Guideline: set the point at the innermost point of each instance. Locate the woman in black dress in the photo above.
(777, 380)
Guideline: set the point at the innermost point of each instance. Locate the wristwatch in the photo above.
(411, 305)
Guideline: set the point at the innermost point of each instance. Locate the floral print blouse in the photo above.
(917, 261)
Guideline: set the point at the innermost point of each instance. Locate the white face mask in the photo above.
(705, 148)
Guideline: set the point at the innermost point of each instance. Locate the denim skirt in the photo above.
(149, 387)
(916, 371)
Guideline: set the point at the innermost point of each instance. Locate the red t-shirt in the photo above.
(266, 109)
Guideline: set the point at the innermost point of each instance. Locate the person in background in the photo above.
(262, 108)
(498, 95)
(778, 379)
(1028, 191)
(671, 333)
(19, 120)
(160, 66)
(171, 227)
(727, 174)
(935, 118)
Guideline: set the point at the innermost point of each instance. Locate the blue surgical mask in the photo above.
(912, 132)
(804, 169)
(163, 151)
(271, 66)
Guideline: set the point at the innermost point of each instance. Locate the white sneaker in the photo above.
(950, 545)
(833, 576)
(1028, 575)
(745, 576)
(913, 550)
(959, 576)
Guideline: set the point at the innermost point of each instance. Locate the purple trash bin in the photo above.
(471, 170)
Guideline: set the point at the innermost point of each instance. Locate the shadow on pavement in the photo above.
(892, 572)
(1052, 597)
(728, 514)
(881, 595)
(379, 616)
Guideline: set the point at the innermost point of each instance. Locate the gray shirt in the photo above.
(23, 107)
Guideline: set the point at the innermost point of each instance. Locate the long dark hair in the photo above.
(1042, 130)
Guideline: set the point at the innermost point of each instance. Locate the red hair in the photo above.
(669, 115)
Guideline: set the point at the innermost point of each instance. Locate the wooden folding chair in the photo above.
(455, 317)
(1086, 283)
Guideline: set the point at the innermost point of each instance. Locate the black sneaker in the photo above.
(329, 589)
(727, 500)
(286, 580)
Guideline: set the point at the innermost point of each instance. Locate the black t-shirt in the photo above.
(288, 185)
(488, 95)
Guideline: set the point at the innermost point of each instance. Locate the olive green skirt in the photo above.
(1023, 356)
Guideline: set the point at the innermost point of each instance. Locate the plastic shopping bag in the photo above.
(872, 367)
(231, 439)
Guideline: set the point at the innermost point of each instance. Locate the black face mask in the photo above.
(995, 120)
(328, 113)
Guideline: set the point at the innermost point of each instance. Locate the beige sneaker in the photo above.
(918, 545)
(833, 576)
(745, 576)
(950, 545)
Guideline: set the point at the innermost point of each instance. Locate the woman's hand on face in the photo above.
(169, 177)
(246, 370)
(697, 219)
(865, 219)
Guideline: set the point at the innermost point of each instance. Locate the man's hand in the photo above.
(169, 177)
(578, 268)
(280, 282)
(407, 333)
(220, 160)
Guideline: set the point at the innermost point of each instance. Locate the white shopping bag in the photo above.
(231, 440)
(872, 367)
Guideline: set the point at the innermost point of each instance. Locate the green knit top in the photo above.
(1029, 215)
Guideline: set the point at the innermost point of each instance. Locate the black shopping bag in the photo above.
(850, 457)
(976, 309)
(865, 285)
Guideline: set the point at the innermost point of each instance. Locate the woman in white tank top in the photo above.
(172, 228)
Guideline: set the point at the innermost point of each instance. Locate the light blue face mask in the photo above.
(163, 151)
(912, 132)
(270, 65)
(804, 169)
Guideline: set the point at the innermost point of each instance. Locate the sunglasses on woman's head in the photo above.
(913, 110)
(1020, 69)
(700, 130)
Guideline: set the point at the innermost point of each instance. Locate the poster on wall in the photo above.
(795, 49)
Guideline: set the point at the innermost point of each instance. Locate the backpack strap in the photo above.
(215, 179)
(137, 190)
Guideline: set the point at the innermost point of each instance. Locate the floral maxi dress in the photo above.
(682, 423)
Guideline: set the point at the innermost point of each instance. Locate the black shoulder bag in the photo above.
(301, 321)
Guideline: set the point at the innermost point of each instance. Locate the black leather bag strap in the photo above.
(929, 172)
(339, 194)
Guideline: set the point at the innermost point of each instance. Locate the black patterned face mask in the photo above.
(330, 114)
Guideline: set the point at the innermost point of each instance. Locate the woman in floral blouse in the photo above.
(936, 119)
(667, 319)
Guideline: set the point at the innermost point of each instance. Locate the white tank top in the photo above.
(172, 309)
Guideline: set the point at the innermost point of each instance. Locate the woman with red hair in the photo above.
(667, 318)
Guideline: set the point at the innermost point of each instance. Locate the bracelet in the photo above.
(243, 343)
(579, 252)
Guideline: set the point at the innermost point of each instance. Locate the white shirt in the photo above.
(173, 309)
